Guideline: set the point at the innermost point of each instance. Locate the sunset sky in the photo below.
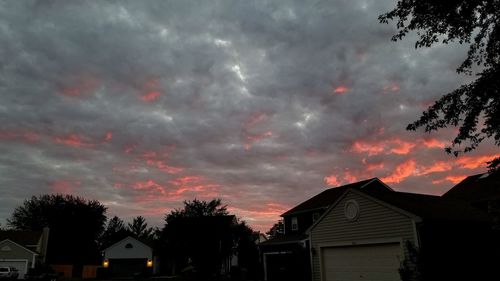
(144, 104)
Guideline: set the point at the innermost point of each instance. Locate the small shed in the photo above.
(128, 257)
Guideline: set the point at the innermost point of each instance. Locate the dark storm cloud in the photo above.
(144, 104)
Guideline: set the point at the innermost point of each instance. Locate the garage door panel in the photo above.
(366, 262)
(21, 266)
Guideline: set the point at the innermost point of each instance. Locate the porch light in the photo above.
(105, 263)
(149, 263)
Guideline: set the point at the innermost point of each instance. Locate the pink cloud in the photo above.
(150, 96)
(64, 186)
(83, 86)
(341, 89)
(73, 140)
(25, 136)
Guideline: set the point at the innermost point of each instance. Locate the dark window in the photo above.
(315, 217)
(295, 223)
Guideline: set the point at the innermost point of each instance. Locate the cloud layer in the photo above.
(142, 105)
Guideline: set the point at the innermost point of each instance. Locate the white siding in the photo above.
(120, 251)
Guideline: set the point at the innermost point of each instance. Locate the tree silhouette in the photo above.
(139, 228)
(203, 234)
(277, 230)
(75, 226)
(115, 231)
(474, 107)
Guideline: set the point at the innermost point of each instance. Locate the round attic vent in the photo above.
(351, 210)
(129, 246)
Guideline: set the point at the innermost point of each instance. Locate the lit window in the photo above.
(149, 263)
(105, 263)
(295, 223)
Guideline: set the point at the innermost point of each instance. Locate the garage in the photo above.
(128, 257)
(363, 262)
(20, 265)
(126, 267)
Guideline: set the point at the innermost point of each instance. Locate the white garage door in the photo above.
(20, 265)
(364, 262)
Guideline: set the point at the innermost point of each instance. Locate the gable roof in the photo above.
(418, 206)
(124, 239)
(20, 246)
(477, 188)
(23, 238)
(329, 196)
(431, 207)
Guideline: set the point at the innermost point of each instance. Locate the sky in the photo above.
(144, 104)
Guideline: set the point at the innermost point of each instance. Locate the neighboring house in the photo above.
(365, 235)
(288, 257)
(481, 191)
(127, 257)
(23, 249)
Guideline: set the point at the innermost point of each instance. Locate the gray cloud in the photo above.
(144, 104)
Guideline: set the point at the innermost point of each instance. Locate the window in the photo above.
(315, 217)
(295, 223)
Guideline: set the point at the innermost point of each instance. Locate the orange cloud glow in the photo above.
(433, 143)
(471, 162)
(332, 180)
(402, 171)
(401, 147)
(436, 167)
(451, 178)
(345, 178)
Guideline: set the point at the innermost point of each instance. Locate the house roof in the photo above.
(477, 188)
(24, 238)
(431, 207)
(18, 245)
(329, 196)
(124, 239)
(287, 239)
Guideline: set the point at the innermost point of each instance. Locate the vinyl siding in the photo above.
(15, 252)
(375, 222)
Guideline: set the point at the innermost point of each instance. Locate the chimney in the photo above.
(44, 244)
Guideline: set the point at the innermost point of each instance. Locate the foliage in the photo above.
(115, 231)
(197, 208)
(411, 267)
(139, 228)
(474, 107)
(203, 234)
(75, 225)
(277, 230)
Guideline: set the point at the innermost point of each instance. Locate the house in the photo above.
(127, 257)
(23, 249)
(288, 257)
(366, 235)
(481, 191)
